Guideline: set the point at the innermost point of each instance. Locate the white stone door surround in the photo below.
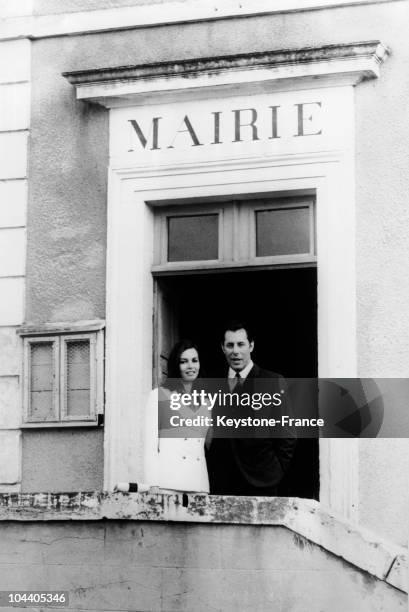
(321, 163)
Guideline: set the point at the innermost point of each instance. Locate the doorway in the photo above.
(280, 305)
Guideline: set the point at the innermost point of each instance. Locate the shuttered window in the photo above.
(63, 379)
(78, 378)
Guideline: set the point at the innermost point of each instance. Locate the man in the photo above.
(254, 465)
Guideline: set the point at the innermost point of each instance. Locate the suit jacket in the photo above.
(254, 463)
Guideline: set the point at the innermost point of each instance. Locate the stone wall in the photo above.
(138, 565)
(118, 552)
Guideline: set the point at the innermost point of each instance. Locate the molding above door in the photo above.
(240, 74)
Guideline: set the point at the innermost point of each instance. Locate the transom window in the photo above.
(204, 229)
(249, 232)
(282, 231)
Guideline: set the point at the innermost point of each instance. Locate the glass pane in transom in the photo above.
(282, 231)
(193, 237)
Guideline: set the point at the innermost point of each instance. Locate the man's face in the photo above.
(237, 349)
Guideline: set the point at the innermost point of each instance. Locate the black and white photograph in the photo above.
(204, 298)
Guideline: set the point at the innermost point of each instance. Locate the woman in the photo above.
(173, 459)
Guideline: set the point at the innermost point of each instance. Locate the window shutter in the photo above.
(78, 378)
(63, 379)
(42, 377)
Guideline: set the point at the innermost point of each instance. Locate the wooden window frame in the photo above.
(237, 234)
(161, 234)
(92, 377)
(278, 204)
(60, 341)
(28, 342)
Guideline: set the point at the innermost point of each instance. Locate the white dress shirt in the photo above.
(232, 375)
(242, 373)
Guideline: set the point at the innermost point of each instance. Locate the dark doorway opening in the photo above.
(281, 307)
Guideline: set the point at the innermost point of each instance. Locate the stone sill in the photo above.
(353, 543)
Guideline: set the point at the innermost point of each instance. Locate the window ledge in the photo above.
(66, 327)
(307, 518)
(60, 424)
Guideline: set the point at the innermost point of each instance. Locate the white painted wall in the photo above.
(61, 20)
(11, 8)
(14, 125)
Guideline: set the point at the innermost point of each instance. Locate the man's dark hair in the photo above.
(235, 325)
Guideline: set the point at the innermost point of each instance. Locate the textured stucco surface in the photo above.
(62, 460)
(356, 545)
(382, 136)
(54, 7)
(383, 483)
(67, 198)
(69, 147)
(126, 565)
(69, 156)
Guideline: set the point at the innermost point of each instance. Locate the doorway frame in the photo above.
(330, 175)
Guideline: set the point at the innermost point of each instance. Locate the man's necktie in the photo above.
(238, 380)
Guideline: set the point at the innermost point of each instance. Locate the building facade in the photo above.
(159, 162)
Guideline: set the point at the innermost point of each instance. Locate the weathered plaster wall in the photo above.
(382, 136)
(69, 139)
(53, 7)
(67, 194)
(127, 565)
(66, 248)
(69, 154)
(383, 482)
(382, 183)
(63, 460)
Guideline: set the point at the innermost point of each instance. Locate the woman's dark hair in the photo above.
(174, 362)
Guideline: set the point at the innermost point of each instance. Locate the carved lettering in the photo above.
(215, 127)
(238, 125)
(189, 129)
(302, 119)
(142, 138)
(274, 122)
(216, 139)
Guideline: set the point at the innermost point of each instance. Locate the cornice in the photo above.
(330, 65)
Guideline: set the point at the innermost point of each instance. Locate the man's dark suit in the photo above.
(254, 465)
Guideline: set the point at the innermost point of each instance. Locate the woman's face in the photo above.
(189, 365)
